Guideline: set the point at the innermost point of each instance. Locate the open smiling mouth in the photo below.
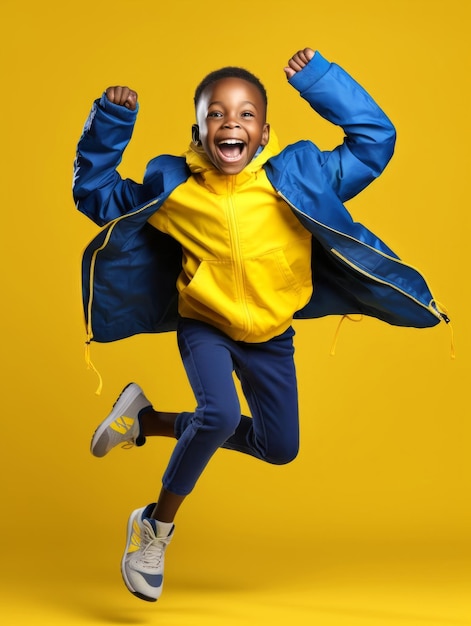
(231, 149)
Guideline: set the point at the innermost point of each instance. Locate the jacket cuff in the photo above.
(311, 73)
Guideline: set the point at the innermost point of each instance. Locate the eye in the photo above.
(248, 114)
(214, 114)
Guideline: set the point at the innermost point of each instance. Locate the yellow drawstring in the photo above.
(444, 313)
(452, 338)
(337, 332)
(438, 306)
(90, 365)
(111, 226)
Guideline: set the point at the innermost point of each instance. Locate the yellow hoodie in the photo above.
(246, 265)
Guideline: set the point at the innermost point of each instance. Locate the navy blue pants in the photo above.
(268, 380)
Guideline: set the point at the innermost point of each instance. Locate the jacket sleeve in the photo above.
(98, 190)
(370, 135)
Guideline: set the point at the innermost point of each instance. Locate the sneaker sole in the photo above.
(127, 396)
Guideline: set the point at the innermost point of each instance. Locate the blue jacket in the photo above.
(130, 268)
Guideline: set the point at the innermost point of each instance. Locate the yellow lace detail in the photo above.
(442, 310)
(337, 332)
(444, 313)
(90, 365)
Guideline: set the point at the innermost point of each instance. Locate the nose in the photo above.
(231, 123)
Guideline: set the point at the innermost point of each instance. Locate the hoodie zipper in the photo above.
(239, 268)
(432, 307)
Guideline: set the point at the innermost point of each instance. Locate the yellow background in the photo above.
(371, 524)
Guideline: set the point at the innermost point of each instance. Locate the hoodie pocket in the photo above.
(211, 293)
(262, 292)
(273, 285)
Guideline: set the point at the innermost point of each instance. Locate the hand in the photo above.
(123, 96)
(298, 61)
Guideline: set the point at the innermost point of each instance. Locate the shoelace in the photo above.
(152, 547)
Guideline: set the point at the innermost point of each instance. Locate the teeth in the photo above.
(231, 142)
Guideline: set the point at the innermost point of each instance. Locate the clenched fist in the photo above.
(298, 61)
(123, 96)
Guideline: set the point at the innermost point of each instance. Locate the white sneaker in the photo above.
(122, 424)
(142, 566)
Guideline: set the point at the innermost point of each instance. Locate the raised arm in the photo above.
(98, 190)
(336, 96)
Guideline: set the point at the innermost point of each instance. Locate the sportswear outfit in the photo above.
(229, 261)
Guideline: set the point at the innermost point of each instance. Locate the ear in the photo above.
(265, 135)
(195, 134)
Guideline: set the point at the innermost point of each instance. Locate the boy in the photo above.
(241, 228)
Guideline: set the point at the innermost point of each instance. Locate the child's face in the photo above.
(231, 116)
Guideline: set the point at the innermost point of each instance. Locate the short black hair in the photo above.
(230, 72)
